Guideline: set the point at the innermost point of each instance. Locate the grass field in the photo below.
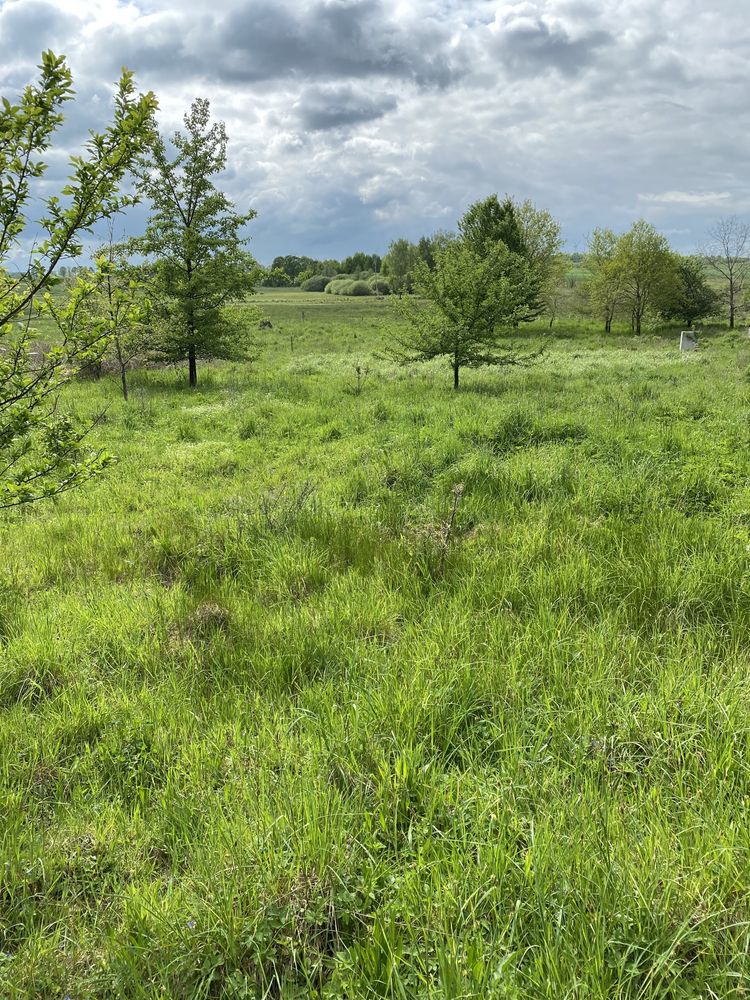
(382, 690)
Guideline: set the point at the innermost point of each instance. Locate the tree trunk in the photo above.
(731, 306)
(192, 367)
(455, 374)
(608, 325)
(124, 381)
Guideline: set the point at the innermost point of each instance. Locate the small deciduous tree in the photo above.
(691, 297)
(647, 269)
(42, 452)
(529, 232)
(123, 307)
(399, 264)
(728, 253)
(464, 308)
(194, 237)
(603, 287)
(490, 221)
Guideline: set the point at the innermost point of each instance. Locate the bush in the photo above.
(346, 286)
(379, 285)
(317, 283)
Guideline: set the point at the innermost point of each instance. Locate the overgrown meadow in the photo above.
(346, 685)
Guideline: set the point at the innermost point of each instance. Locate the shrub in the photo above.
(339, 286)
(348, 286)
(317, 283)
(358, 288)
(379, 285)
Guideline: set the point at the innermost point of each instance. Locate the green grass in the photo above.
(272, 726)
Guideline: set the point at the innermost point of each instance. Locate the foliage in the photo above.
(728, 254)
(470, 301)
(42, 450)
(275, 278)
(294, 267)
(194, 238)
(555, 292)
(380, 284)
(348, 286)
(647, 269)
(488, 222)
(399, 265)
(361, 261)
(530, 234)
(691, 297)
(317, 283)
(604, 285)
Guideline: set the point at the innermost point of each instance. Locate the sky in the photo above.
(354, 122)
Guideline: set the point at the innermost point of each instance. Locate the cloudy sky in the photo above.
(352, 122)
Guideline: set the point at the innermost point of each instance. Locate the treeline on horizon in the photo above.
(634, 276)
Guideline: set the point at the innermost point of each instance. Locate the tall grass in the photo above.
(281, 718)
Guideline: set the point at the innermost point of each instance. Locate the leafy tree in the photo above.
(466, 305)
(399, 264)
(194, 236)
(604, 286)
(647, 268)
(42, 452)
(526, 231)
(728, 253)
(121, 305)
(691, 297)
(360, 261)
(275, 278)
(488, 222)
(541, 248)
(541, 235)
(426, 251)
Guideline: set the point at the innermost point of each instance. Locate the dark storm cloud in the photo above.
(321, 108)
(530, 45)
(261, 41)
(343, 38)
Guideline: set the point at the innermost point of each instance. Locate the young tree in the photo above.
(123, 307)
(691, 297)
(526, 231)
(193, 234)
(465, 306)
(541, 237)
(42, 452)
(647, 268)
(603, 288)
(399, 264)
(488, 222)
(728, 253)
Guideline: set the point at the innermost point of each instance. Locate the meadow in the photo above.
(352, 686)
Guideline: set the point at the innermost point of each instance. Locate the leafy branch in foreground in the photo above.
(464, 308)
(41, 451)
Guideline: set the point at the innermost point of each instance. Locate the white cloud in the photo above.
(352, 122)
(699, 199)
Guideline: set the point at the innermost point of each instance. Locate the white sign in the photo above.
(687, 340)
